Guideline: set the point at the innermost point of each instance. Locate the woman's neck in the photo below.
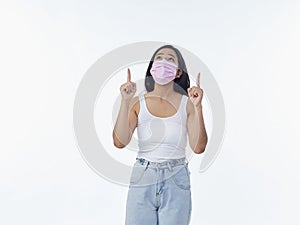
(163, 91)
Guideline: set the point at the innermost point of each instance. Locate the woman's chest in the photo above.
(162, 109)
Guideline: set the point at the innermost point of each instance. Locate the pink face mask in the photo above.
(163, 71)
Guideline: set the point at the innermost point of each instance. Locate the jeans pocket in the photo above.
(137, 174)
(181, 177)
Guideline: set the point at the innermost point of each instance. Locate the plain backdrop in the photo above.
(251, 47)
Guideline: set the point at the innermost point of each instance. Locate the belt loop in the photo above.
(186, 162)
(170, 168)
(146, 165)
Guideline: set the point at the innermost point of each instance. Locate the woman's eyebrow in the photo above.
(168, 54)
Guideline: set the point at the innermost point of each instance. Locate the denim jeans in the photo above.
(159, 193)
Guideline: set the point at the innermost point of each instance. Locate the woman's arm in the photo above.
(196, 128)
(125, 123)
(127, 117)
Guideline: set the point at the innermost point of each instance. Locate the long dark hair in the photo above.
(181, 84)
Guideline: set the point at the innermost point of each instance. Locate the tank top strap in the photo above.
(183, 104)
(143, 115)
(141, 97)
(142, 102)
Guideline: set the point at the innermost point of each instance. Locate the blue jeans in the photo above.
(159, 193)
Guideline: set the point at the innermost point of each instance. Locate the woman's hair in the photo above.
(181, 84)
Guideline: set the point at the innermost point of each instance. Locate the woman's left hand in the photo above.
(196, 93)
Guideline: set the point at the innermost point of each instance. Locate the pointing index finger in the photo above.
(128, 75)
(198, 80)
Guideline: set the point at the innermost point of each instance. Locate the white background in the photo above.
(251, 47)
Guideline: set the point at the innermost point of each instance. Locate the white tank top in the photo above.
(161, 139)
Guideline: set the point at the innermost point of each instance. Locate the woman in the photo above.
(159, 190)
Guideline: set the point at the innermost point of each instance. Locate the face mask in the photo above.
(163, 71)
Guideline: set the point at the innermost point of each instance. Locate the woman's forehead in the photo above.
(167, 51)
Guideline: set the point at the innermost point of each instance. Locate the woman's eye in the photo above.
(160, 58)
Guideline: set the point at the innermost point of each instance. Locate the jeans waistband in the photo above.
(168, 163)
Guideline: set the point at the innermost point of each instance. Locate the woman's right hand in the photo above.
(128, 89)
